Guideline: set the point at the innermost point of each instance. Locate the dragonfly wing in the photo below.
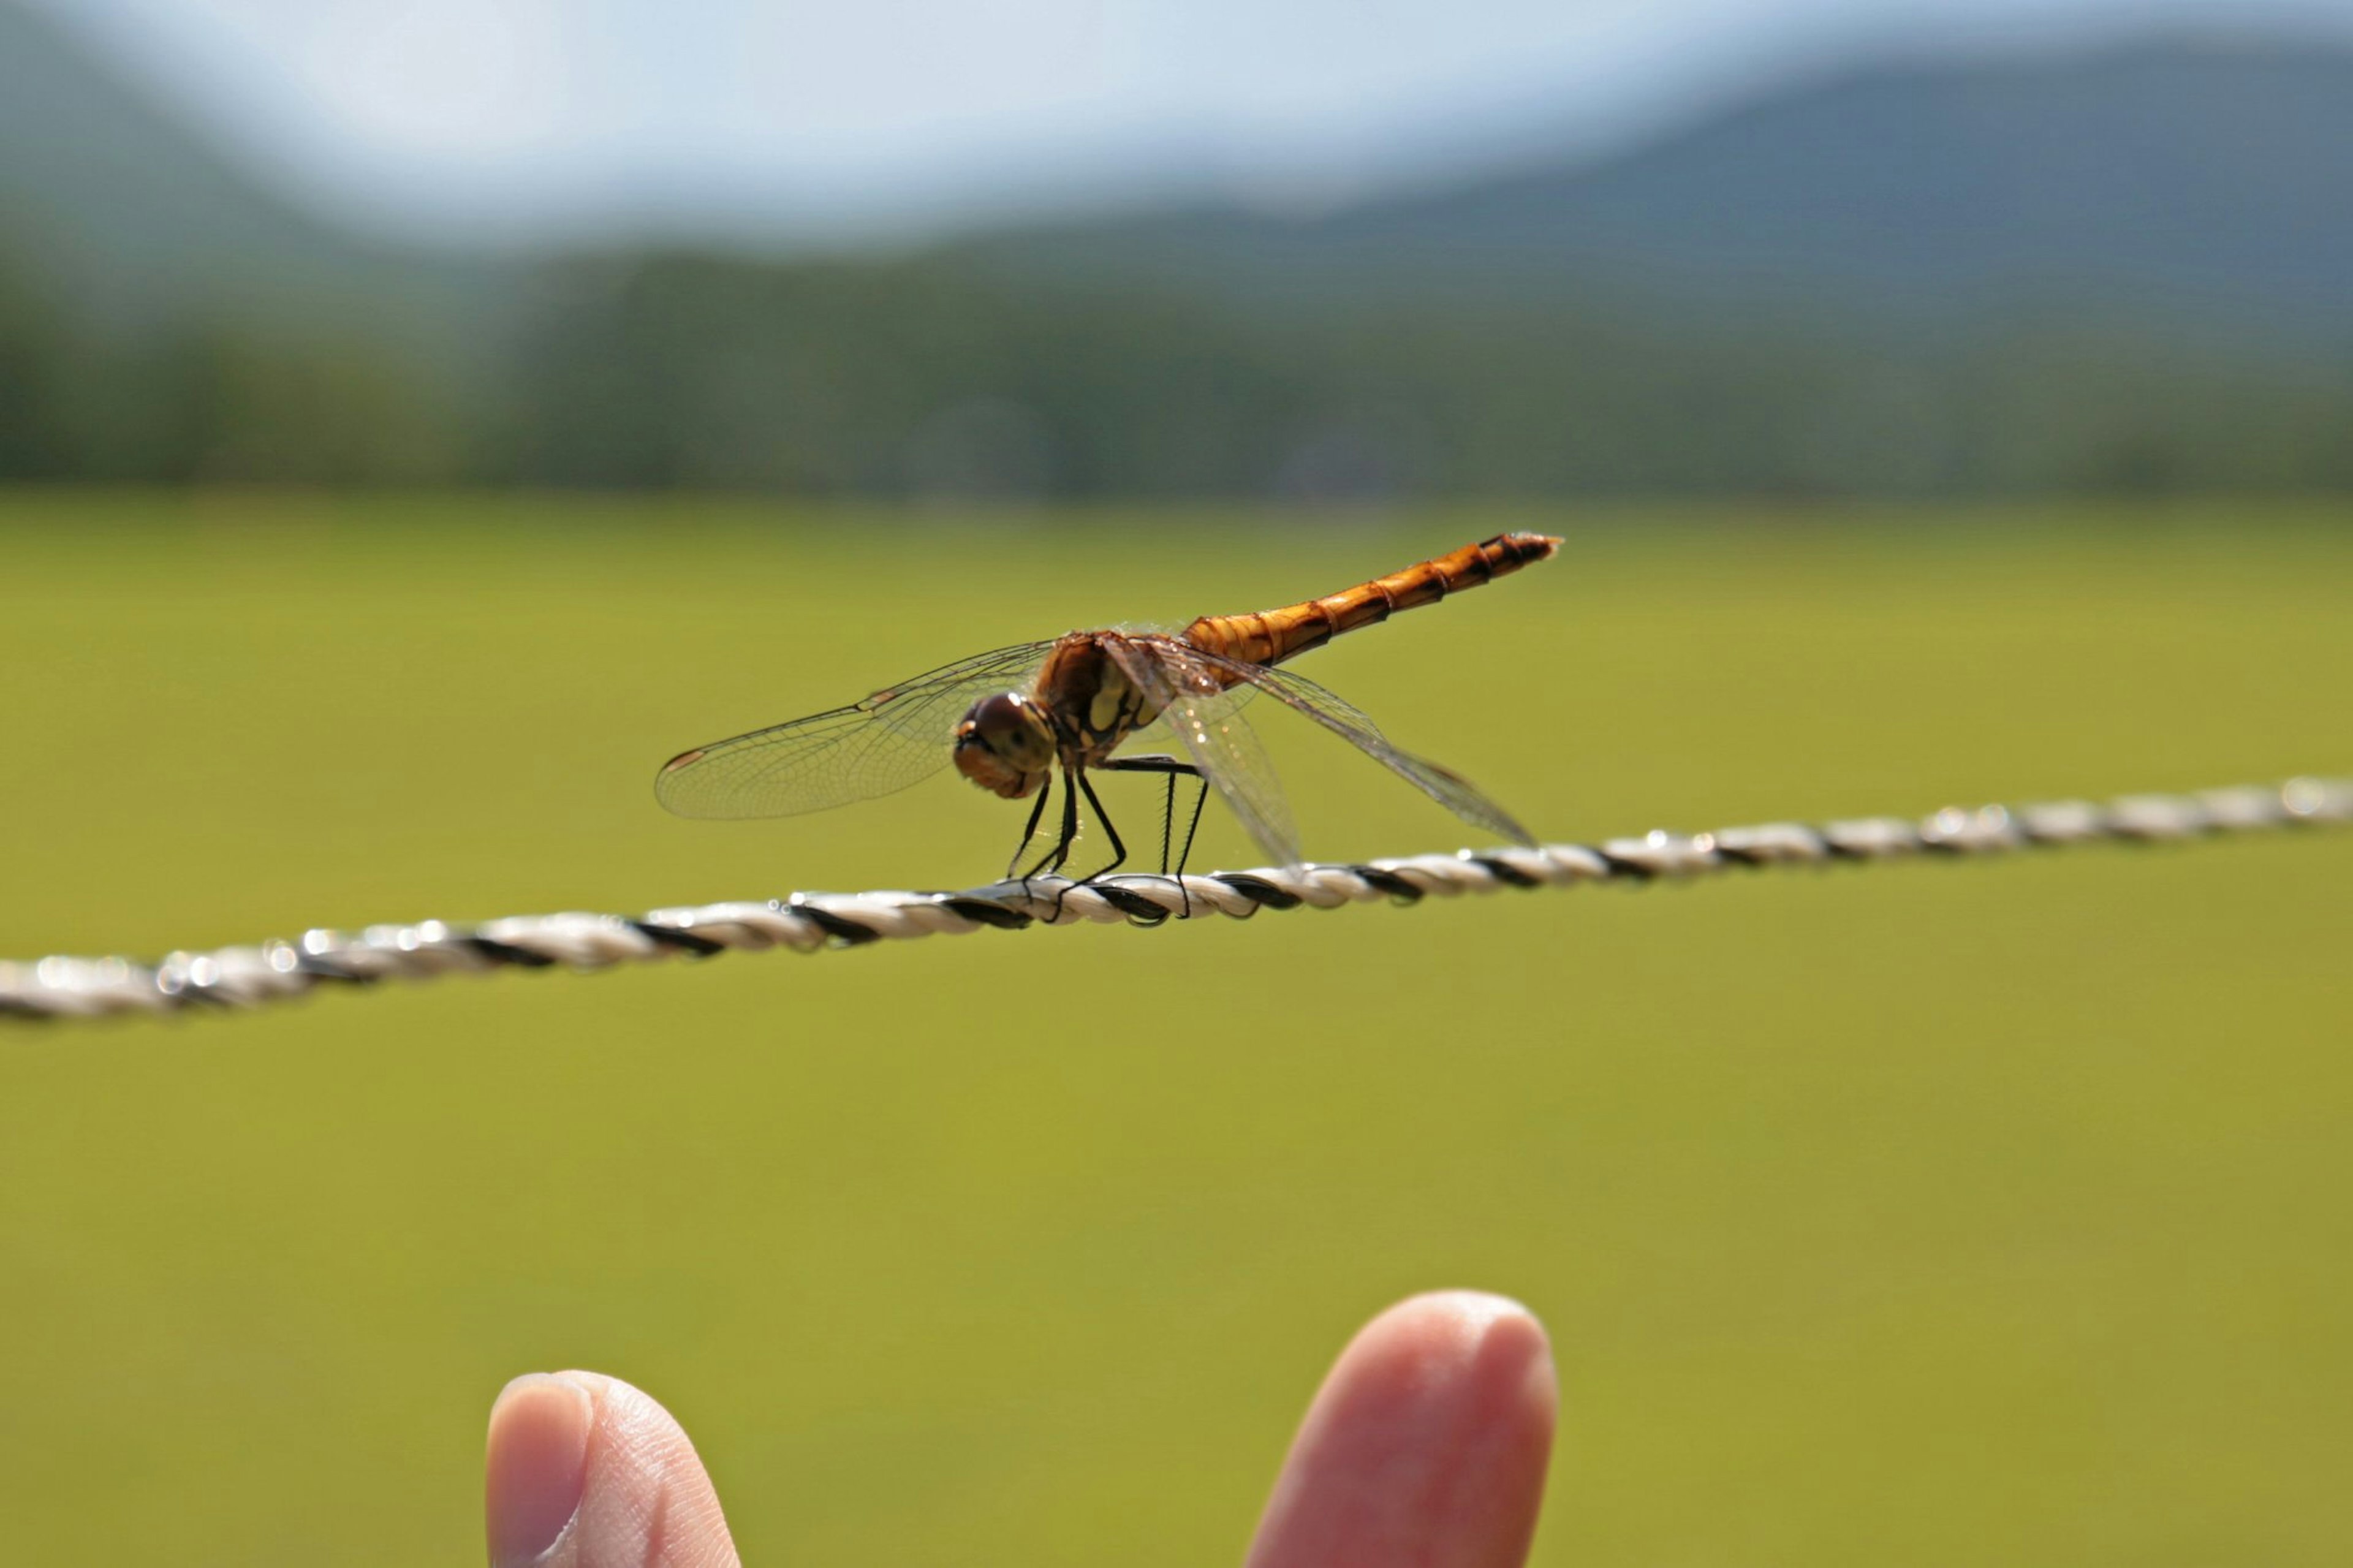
(1443, 785)
(1204, 716)
(1160, 736)
(897, 737)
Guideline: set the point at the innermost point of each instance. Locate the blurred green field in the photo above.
(1942, 1213)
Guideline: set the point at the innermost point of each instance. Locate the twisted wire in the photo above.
(275, 971)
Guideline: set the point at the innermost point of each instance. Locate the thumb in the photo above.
(584, 1471)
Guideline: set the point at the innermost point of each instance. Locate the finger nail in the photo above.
(538, 1465)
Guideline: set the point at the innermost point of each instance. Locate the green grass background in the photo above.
(1941, 1213)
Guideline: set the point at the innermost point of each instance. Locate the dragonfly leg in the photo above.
(1168, 767)
(1054, 858)
(1201, 798)
(1074, 784)
(1069, 835)
(1193, 825)
(1172, 770)
(1168, 818)
(1118, 849)
(1013, 866)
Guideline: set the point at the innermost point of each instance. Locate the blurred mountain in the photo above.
(132, 214)
(164, 315)
(2201, 174)
(2121, 270)
(2204, 172)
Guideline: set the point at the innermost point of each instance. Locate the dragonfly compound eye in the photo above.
(1004, 745)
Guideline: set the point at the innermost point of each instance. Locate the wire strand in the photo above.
(275, 971)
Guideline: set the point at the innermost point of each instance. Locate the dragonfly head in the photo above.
(1004, 745)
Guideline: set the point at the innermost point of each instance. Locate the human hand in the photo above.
(1426, 1447)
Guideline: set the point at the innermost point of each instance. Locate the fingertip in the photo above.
(644, 1497)
(1426, 1444)
(1459, 1312)
(1491, 1345)
(535, 1468)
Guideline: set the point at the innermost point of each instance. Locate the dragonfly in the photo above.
(1014, 720)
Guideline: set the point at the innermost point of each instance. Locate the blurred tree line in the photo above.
(940, 376)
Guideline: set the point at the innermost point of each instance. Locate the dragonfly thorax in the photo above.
(1006, 745)
(1088, 697)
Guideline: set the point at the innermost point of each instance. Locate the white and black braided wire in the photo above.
(236, 977)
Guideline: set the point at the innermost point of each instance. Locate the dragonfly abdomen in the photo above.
(1270, 636)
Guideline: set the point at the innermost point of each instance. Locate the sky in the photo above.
(531, 121)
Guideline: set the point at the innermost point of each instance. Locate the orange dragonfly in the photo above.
(1010, 719)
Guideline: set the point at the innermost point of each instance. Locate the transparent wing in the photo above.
(1204, 714)
(1161, 736)
(899, 736)
(1447, 787)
